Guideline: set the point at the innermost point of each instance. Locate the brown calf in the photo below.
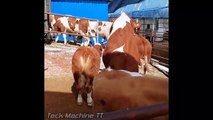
(85, 66)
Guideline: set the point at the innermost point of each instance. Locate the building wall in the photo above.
(160, 26)
(47, 9)
(91, 9)
(163, 26)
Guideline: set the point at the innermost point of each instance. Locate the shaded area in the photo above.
(126, 61)
(58, 102)
(154, 112)
(60, 92)
(160, 51)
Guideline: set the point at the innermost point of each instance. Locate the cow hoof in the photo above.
(79, 103)
(79, 100)
(89, 101)
(90, 104)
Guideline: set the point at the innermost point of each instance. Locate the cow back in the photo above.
(117, 90)
(86, 60)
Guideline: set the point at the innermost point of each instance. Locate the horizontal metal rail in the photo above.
(68, 33)
(161, 63)
(160, 57)
(159, 47)
(136, 113)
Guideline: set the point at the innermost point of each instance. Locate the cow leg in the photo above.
(102, 41)
(51, 34)
(86, 41)
(65, 39)
(79, 99)
(95, 41)
(69, 37)
(89, 92)
(79, 86)
(56, 39)
(146, 64)
(74, 40)
(89, 99)
(79, 39)
(142, 65)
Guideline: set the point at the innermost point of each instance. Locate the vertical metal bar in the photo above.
(45, 15)
(97, 33)
(137, 20)
(153, 31)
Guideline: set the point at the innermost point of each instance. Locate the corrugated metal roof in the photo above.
(114, 5)
(146, 8)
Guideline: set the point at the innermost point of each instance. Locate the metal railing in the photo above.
(143, 113)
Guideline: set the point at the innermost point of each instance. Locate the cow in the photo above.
(66, 25)
(123, 39)
(122, 61)
(51, 18)
(85, 66)
(99, 48)
(104, 28)
(70, 24)
(119, 89)
(61, 23)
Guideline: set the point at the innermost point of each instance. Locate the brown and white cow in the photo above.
(104, 28)
(120, 89)
(123, 39)
(51, 21)
(69, 24)
(61, 24)
(66, 25)
(85, 66)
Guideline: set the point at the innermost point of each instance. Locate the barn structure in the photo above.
(152, 12)
(90, 9)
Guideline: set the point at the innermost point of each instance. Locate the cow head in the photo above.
(136, 26)
(99, 48)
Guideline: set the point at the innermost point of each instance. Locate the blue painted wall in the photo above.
(92, 9)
